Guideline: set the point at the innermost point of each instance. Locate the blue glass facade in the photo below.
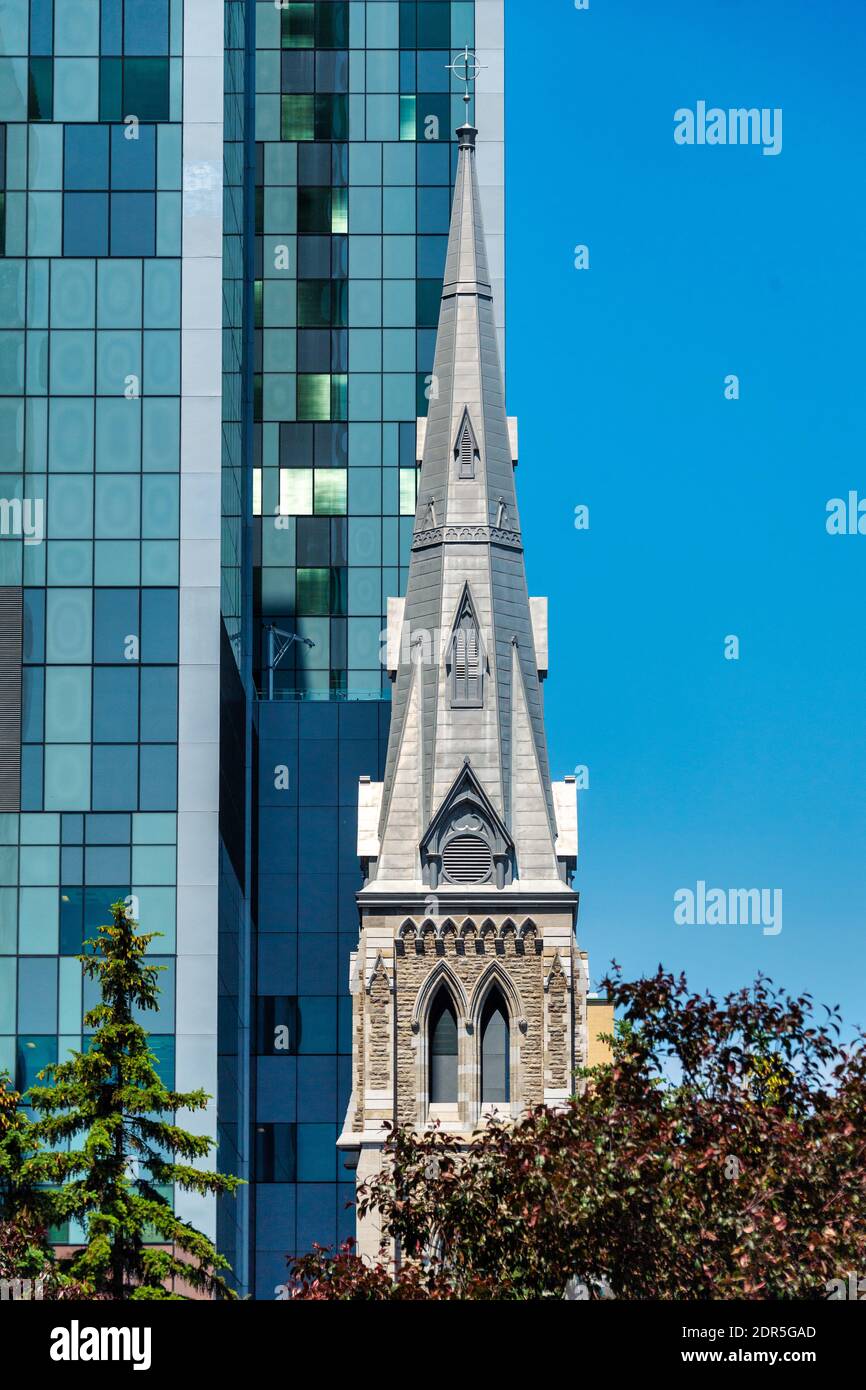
(307, 875)
(123, 509)
(355, 114)
(90, 395)
(222, 236)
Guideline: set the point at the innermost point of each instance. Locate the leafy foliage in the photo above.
(25, 1251)
(109, 1123)
(324, 1275)
(721, 1154)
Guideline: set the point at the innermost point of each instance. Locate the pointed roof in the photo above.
(466, 270)
(467, 376)
(467, 535)
(466, 792)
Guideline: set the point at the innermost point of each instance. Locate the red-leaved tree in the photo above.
(721, 1154)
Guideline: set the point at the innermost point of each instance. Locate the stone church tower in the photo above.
(469, 992)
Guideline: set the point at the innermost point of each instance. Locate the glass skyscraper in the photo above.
(223, 232)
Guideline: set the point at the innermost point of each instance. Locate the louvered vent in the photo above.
(466, 663)
(466, 659)
(467, 454)
(467, 859)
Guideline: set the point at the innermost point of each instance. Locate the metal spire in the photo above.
(466, 68)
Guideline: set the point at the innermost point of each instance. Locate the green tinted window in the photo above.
(296, 117)
(407, 118)
(332, 25)
(339, 211)
(408, 480)
(434, 24)
(298, 25)
(145, 88)
(314, 303)
(314, 211)
(296, 491)
(339, 397)
(314, 397)
(339, 303)
(330, 490)
(110, 89)
(40, 91)
(332, 116)
(408, 24)
(428, 297)
(314, 586)
(339, 593)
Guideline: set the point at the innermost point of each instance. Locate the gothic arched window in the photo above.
(443, 1051)
(495, 1068)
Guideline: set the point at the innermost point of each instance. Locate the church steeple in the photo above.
(467, 683)
(466, 263)
(467, 914)
(467, 385)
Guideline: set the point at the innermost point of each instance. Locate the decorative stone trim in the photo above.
(467, 535)
(427, 937)
(379, 990)
(359, 1001)
(556, 989)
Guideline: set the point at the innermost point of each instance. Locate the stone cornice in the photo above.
(466, 535)
(449, 903)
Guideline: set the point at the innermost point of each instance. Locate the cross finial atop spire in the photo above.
(466, 68)
(476, 694)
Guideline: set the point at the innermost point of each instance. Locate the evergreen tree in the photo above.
(112, 1119)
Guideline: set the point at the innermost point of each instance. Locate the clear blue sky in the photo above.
(707, 516)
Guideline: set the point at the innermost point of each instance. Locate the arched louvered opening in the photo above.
(466, 663)
(466, 452)
(465, 448)
(467, 858)
(443, 1050)
(495, 1047)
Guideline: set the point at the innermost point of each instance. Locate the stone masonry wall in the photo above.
(539, 975)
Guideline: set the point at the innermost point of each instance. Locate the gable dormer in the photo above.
(467, 841)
